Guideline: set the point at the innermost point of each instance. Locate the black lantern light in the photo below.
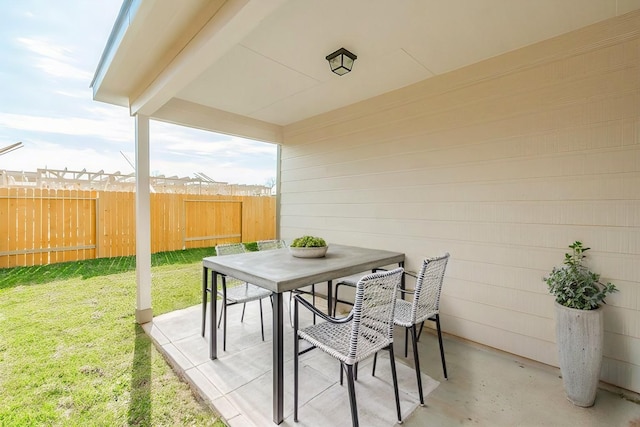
(341, 61)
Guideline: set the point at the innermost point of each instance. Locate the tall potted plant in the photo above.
(579, 324)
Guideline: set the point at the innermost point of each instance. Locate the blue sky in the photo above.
(49, 51)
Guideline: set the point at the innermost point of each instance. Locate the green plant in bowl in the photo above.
(308, 247)
(308, 242)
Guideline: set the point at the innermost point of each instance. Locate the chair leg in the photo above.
(355, 370)
(204, 308)
(406, 341)
(224, 328)
(244, 305)
(295, 362)
(395, 378)
(224, 313)
(221, 313)
(313, 300)
(291, 308)
(261, 321)
(416, 361)
(336, 299)
(375, 359)
(444, 364)
(352, 396)
(395, 382)
(420, 331)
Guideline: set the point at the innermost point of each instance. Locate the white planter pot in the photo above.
(580, 336)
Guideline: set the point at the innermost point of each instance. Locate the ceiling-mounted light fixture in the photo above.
(341, 61)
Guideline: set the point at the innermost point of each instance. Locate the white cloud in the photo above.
(62, 69)
(185, 140)
(54, 60)
(117, 130)
(61, 126)
(79, 94)
(188, 144)
(44, 48)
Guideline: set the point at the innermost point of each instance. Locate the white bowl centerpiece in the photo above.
(308, 247)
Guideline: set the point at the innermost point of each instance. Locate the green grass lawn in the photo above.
(71, 353)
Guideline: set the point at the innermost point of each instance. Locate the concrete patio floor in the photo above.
(486, 387)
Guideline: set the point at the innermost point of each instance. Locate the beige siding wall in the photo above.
(503, 164)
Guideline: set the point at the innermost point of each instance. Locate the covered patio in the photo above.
(486, 387)
(499, 132)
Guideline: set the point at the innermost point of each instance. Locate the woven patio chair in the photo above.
(233, 291)
(424, 306)
(349, 281)
(266, 245)
(366, 330)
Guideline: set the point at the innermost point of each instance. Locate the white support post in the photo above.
(144, 312)
(278, 187)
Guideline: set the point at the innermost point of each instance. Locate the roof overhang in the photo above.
(249, 67)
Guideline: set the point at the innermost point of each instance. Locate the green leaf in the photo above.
(574, 285)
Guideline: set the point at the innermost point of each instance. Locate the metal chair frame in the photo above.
(368, 329)
(425, 306)
(237, 295)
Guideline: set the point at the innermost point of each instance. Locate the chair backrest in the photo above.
(426, 300)
(375, 299)
(230, 249)
(266, 245)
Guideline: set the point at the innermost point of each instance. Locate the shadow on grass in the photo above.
(39, 274)
(140, 403)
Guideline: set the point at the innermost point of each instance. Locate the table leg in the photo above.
(278, 359)
(213, 339)
(329, 297)
(205, 289)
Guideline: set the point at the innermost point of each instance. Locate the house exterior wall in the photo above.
(503, 164)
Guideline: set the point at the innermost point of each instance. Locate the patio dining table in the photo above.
(278, 271)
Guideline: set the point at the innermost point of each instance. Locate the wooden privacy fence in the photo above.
(45, 226)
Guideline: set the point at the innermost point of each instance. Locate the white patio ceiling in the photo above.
(265, 59)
